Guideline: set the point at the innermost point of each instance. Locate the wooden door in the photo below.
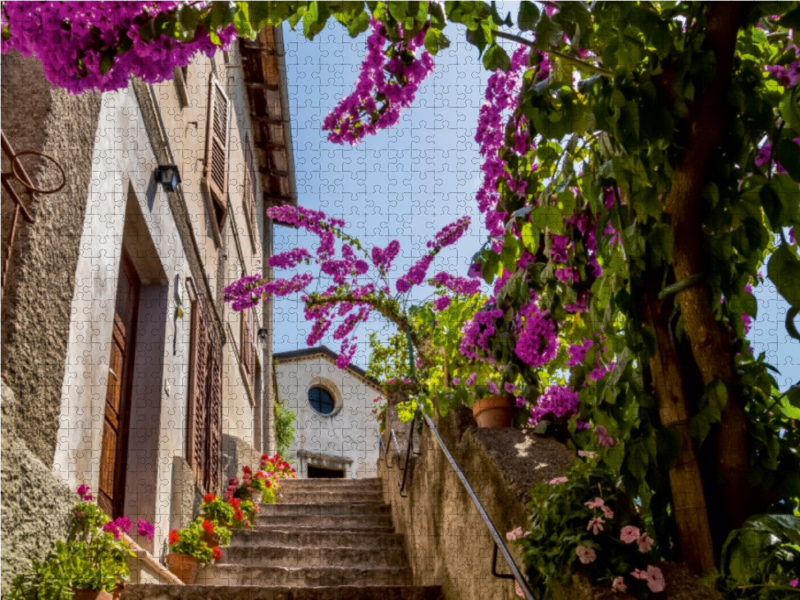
(113, 463)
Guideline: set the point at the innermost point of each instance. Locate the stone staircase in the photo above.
(326, 539)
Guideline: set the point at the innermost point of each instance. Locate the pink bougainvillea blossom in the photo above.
(602, 436)
(360, 114)
(84, 491)
(557, 401)
(537, 343)
(69, 39)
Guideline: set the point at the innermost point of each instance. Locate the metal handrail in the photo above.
(382, 448)
(498, 541)
(402, 483)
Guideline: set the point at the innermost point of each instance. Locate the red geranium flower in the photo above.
(236, 503)
(269, 484)
(216, 553)
(209, 498)
(174, 537)
(238, 514)
(208, 526)
(247, 470)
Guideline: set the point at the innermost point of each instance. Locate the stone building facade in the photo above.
(122, 367)
(336, 430)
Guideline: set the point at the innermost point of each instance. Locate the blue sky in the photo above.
(410, 181)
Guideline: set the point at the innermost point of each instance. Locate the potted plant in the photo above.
(91, 564)
(188, 551)
(215, 534)
(217, 509)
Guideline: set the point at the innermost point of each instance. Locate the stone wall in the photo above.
(237, 454)
(35, 505)
(38, 294)
(448, 543)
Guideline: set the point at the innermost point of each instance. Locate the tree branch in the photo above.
(571, 59)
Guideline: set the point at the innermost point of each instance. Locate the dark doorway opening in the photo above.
(317, 472)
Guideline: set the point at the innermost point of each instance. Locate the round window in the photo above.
(320, 400)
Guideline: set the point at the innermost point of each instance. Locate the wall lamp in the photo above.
(168, 176)
(263, 336)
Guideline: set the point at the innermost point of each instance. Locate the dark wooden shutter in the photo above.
(217, 135)
(250, 174)
(204, 445)
(214, 421)
(198, 390)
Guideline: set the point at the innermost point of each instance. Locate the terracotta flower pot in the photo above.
(183, 566)
(211, 539)
(494, 412)
(91, 595)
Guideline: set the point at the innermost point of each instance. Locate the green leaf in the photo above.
(106, 63)
(496, 58)
(789, 109)
(314, 19)
(638, 460)
(530, 237)
(241, 21)
(791, 314)
(398, 10)
(435, 40)
(790, 20)
(437, 16)
(788, 155)
(784, 271)
(699, 427)
(528, 16)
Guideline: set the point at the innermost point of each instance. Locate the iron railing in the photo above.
(498, 541)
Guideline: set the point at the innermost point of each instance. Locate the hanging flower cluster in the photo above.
(99, 45)
(359, 285)
(388, 82)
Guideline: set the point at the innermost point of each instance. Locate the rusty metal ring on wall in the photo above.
(30, 188)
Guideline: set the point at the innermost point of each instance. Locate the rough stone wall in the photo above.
(236, 454)
(35, 505)
(447, 542)
(38, 294)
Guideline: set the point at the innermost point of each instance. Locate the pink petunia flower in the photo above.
(596, 503)
(794, 582)
(655, 579)
(618, 585)
(595, 525)
(645, 543)
(629, 534)
(585, 555)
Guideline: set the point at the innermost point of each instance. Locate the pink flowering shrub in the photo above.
(584, 523)
(98, 45)
(356, 281)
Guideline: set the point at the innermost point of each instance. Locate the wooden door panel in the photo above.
(115, 423)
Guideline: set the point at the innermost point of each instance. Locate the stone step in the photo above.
(294, 558)
(235, 575)
(316, 538)
(320, 509)
(382, 522)
(318, 485)
(200, 592)
(326, 497)
(332, 481)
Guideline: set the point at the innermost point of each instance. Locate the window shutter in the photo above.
(198, 375)
(214, 421)
(251, 203)
(217, 135)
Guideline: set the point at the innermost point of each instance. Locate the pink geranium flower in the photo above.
(596, 503)
(655, 579)
(629, 534)
(585, 555)
(618, 585)
(595, 525)
(645, 543)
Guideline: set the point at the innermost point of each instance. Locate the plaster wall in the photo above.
(126, 206)
(238, 249)
(348, 435)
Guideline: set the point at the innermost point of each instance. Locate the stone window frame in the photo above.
(330, 387)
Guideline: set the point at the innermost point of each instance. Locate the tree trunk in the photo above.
(712, 346)
(688, 498)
